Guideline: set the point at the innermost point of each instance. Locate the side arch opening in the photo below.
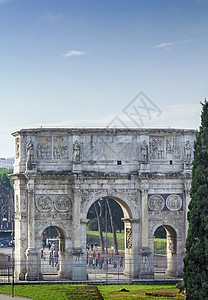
(52, 251)
(165, 251)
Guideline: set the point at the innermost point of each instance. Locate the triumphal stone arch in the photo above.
(60, 173)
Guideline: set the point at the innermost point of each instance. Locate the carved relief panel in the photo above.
(44, 150)
(49, 203)
(44, 203)
(173, 147)
(128, 238)
(156, 147)
(174, 202)
(60, 147)
(156, 202)
(165, 202)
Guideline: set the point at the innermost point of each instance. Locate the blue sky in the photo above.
(80, 63)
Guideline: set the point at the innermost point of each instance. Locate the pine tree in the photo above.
(196, 257)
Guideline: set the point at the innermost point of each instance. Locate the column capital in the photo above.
(144, 189)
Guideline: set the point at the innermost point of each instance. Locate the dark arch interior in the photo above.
(117, 213)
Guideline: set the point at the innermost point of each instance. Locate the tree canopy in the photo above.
(196, 257)
(6, 189)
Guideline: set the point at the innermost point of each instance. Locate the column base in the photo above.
(65, 275)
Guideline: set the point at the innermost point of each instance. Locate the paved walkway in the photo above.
(9, 297)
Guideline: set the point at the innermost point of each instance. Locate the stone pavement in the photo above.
(9, 297)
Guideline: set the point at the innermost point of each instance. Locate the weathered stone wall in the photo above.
(59, 173)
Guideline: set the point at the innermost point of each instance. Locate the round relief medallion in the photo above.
(156, 202)
(62, 203)
(174, 202)
(44, 203)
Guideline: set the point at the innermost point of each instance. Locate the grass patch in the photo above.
(54, 291)
(85, 292)
(93, 236)
(160, 245)
(141, 292)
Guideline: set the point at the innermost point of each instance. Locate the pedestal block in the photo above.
(147, 263)
(33, 266)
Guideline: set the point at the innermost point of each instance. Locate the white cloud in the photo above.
(168, 45)
(50, 17)
(74, 53)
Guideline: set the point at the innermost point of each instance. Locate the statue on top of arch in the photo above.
(187, 151)
(144, 151)
(77, 152)
(30, 155)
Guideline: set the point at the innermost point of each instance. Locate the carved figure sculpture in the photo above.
(76, 152)
(187, 151)
(30, 151)
(17, 146)
(144, 151)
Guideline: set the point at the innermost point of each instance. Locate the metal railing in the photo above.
(102, 270)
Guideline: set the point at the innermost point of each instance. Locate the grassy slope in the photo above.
(138, 292)
(94, 237)
(159, 246)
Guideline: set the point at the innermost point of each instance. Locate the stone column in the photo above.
(132, 243)
(172, 258)
(76, 218)
(144, 197)
(33, 262)
(79, 271)
(147, 260)
(83, 223)
(187, 187)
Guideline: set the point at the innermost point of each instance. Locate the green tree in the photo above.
(6, 191)
(196, 257)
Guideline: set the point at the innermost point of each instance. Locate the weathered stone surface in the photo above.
(59, 173)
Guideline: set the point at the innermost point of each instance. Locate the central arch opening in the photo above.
(105, 243)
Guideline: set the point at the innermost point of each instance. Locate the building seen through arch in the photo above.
(60, 173)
